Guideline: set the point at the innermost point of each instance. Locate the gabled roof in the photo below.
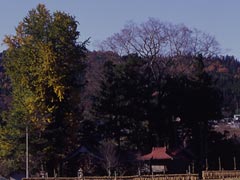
(158, 153)
(81, 150)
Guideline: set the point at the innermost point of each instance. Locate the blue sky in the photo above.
(101, 18)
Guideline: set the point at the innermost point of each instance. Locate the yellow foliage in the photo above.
(59, 91)
(5, 145)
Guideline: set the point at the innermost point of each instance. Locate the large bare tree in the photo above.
(155, 38)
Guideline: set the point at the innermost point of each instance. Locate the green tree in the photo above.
(44, 61)
(122, 103)
(195, 100)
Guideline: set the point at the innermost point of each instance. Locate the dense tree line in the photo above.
(159, 85)
(225, 73)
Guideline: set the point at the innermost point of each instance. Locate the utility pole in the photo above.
(27, 173)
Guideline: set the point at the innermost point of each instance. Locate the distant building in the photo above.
(156, 161)
(236, 117)
(83, 157)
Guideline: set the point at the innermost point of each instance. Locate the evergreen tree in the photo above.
(121, 106)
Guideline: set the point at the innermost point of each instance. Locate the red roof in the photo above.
(158, 153)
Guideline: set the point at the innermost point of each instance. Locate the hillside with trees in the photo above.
(150, 85)
(225, 71)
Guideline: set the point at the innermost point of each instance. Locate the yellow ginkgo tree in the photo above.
(45, 63)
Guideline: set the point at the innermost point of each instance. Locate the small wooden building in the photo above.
(156, 161)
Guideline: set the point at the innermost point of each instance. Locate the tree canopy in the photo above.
(44, 61)
(155, 38)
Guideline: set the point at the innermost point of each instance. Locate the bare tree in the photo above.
(110, 159)
(147, 39)
(154, 38)
(161, 43)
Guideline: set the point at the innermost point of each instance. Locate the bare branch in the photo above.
(153, 39)
(108, 151)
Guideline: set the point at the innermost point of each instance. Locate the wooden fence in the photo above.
(145, 177)
(224, 174)
(206, 175)
(169, 177)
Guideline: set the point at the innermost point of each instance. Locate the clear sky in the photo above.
(101, 18)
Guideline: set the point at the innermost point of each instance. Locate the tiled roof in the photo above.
(158, 153)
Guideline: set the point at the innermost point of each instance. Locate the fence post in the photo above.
(193, 170)
(234, 163)
(206, 162)
(219, 164)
